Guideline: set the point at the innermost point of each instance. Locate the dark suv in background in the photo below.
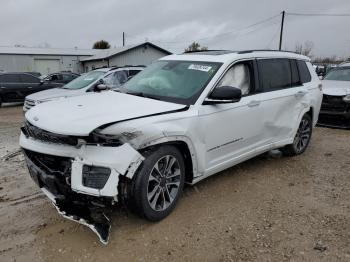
(14, 87)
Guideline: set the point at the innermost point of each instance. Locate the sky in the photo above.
(173, 25)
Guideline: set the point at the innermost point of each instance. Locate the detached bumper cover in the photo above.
(89, 211)
(60, 171)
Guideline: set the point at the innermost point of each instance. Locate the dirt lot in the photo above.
(267, 209)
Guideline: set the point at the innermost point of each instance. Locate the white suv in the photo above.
(182, 119)
(87, 83)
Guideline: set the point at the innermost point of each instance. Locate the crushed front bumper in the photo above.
(62, 172)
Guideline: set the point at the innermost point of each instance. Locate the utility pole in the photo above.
(281, 33)
(123, 38)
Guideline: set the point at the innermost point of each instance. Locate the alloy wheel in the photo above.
(163, 183)
(303, 135)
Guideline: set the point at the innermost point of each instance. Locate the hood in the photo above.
(55, 93)
(336, 88)
(82, 114)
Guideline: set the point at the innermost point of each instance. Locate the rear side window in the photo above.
(133, 72)
(29, 79)
(274, 74)
(295, 74)
(10, 78)
(304, 73)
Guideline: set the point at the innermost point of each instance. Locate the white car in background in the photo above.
(335, 109)
(182, 119)
(85, 84)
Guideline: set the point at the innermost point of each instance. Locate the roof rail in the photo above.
(263, 50)
(201, 51)
(115, 67)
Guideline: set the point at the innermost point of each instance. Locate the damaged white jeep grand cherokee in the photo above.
(182, 119)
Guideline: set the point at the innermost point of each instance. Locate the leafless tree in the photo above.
(304, 49)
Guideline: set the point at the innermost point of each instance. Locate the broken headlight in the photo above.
(346, 98)
(95, 176)
(104, 140)
(112, 140)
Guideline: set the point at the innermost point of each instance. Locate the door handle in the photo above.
(253, 103)
(30, 87)
(2, 87)
(300, 93)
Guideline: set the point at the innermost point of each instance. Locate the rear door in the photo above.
(282, 98)
(11, 88)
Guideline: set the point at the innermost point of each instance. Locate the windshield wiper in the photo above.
(141, 94)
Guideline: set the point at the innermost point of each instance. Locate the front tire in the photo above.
(302, 138)
(158, 183)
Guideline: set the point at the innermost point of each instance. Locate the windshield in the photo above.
(339, 74)
(84, 80)
(174, 81)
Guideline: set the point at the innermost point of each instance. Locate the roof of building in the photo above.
(106, 53)
(46, 51)
(226, 56)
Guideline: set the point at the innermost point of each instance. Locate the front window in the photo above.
(84, 80)
(174, 81)
(339, 74)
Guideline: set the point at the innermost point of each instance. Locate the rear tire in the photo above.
(158, 183)
(301, 139)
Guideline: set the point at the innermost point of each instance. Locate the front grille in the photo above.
(50, 172)
(37, 133)
(334, 104)
(28, 104)
(50, 164)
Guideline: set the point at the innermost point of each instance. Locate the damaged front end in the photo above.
(82, 180)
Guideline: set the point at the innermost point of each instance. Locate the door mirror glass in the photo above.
(224, 94)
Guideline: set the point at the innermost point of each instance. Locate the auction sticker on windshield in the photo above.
(203, 68)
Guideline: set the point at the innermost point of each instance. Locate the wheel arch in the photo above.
(184, 145)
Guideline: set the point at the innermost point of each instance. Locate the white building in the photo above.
(49, 60)
(43, 60)
(140, 54)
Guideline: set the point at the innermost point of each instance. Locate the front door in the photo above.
(233, 130)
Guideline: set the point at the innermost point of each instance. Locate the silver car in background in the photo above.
(87, 83)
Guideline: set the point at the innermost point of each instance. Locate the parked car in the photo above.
(61, 77)
(14, 87)
(335, 109)
(85, 84)
(37, 74)
(182, 119)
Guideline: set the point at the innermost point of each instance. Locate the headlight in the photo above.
(346, 98)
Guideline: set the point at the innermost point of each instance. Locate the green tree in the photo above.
(102, 44)
(195, 47)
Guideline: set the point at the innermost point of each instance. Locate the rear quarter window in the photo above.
(304, 72)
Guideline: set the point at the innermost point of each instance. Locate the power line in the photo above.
(222, 34)
(313, 14)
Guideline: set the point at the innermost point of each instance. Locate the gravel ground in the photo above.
(270, 208)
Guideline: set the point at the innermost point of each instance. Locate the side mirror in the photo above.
(223, 94)
(100, 87)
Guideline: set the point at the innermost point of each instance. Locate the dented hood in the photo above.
(82, 114)
(336, 88)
